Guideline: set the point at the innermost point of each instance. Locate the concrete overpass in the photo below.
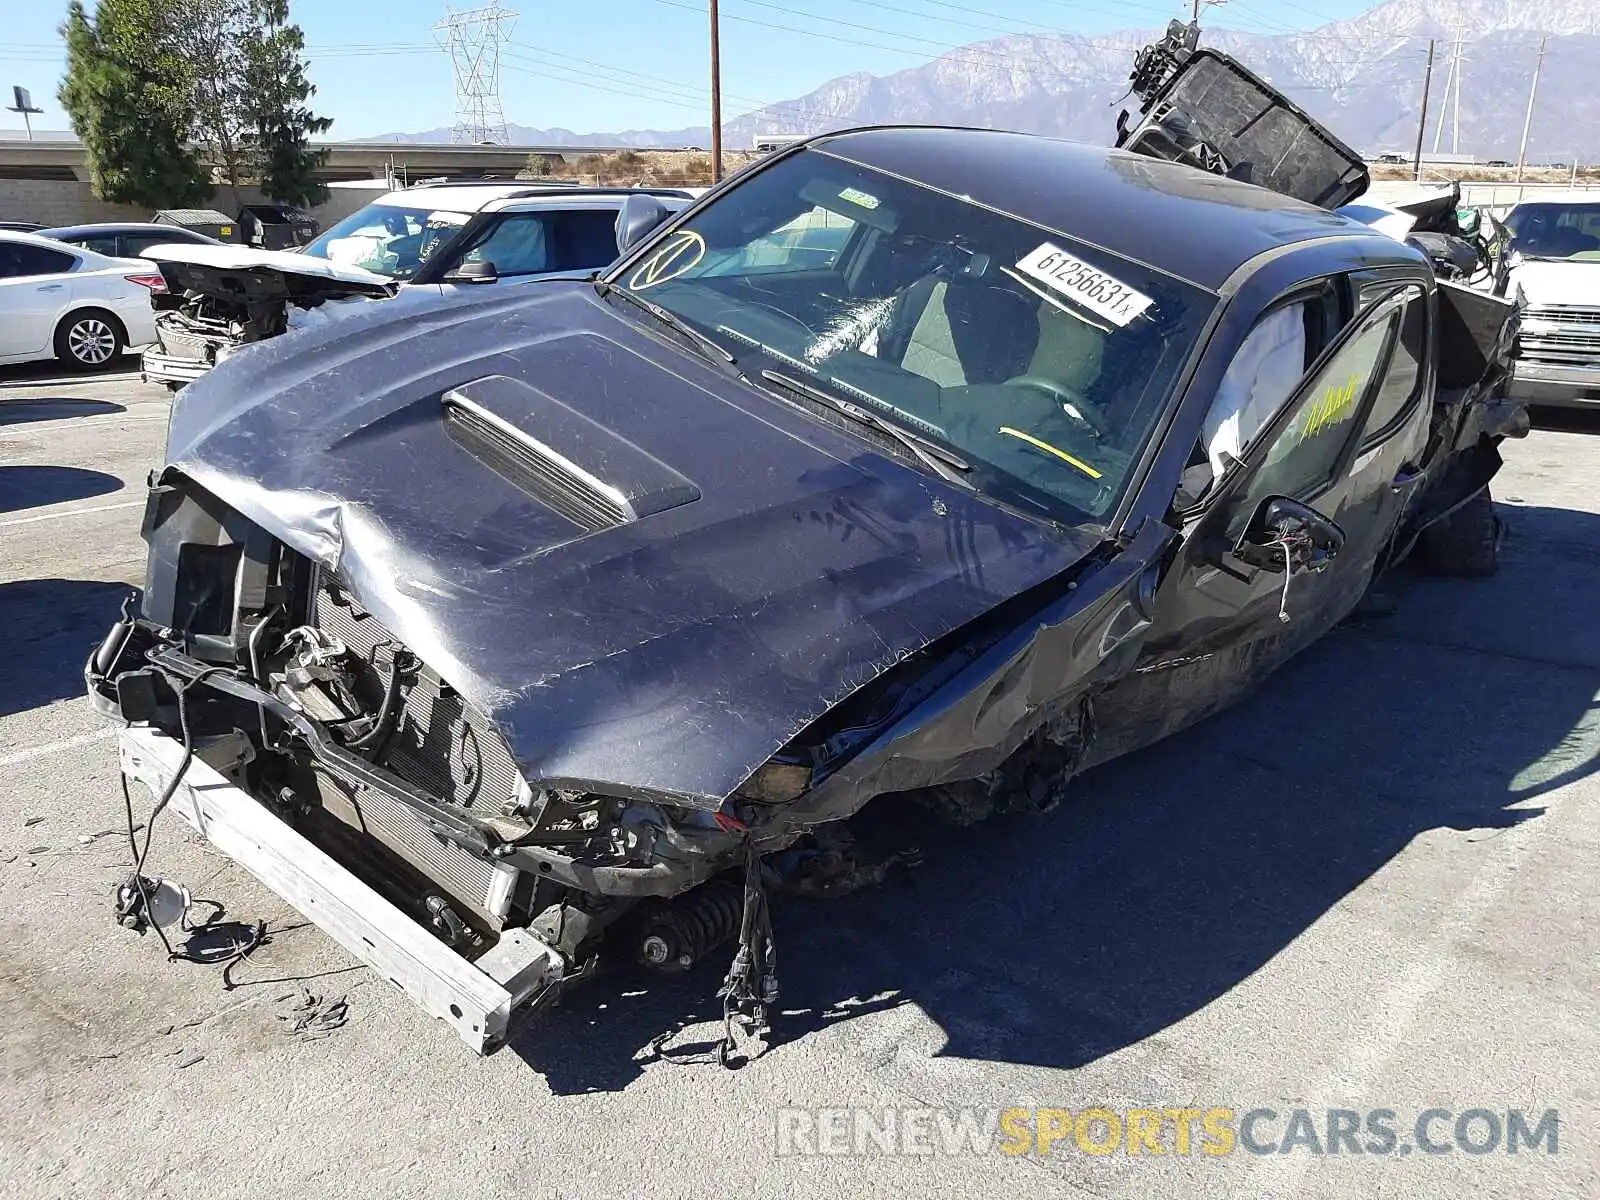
(64, 160)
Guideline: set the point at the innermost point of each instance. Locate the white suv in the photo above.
(1556, 264)
(416, 245)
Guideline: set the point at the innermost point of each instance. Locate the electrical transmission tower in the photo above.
(473, 37)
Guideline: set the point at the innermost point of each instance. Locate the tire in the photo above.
(90, 339)
(1466, 543)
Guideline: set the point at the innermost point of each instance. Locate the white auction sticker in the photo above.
(1091, 287)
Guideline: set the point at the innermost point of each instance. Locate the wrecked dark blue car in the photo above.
(934, 463)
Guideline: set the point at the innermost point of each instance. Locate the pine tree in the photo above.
(165, 92)
(127, 92)
(276, 94)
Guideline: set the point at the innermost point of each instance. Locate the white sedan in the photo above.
(78, 306)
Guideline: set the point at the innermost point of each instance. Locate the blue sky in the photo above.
(619, 64)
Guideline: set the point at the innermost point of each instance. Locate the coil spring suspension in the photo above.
(674, 936)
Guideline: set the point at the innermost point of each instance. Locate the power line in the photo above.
(598, 87)
(1270, 28)
(969, 54)
(676, 90)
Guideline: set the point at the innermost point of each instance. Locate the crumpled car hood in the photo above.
(239, 273)
(244, 258)
(671, 654)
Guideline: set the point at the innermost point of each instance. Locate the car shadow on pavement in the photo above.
(50, 626)
(36, 374)
(34, 487)
(54, 408)
(1171, 875)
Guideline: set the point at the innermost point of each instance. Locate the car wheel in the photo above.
(90, 340)
(1467, 542)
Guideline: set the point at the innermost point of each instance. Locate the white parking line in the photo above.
(33, 752)
(79, 420)
(71, 512)
(67, 380)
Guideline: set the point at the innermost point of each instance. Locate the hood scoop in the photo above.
(591, 475)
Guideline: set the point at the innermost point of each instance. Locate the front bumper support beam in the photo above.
(519, 974)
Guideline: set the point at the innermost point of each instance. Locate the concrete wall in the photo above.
(67, 202)
(59, 202)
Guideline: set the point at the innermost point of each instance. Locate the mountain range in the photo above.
(1362, 77)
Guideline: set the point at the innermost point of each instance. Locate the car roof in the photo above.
(1177, 219)
(471, 196)
(39, 239)
(114, 227)
(671, 200)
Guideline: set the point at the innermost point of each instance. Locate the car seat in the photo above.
(957, 331)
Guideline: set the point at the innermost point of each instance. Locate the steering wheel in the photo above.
(1072, 403)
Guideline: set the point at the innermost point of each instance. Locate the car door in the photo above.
(529, 244)
(34, 289)
(1345, 443)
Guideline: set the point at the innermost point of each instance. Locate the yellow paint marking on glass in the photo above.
(1333, 404)
(680, 253)
(1049, 449)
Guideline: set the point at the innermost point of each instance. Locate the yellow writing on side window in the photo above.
(1332, 406)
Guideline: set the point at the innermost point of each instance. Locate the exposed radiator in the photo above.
(483, 886)
(441, 745)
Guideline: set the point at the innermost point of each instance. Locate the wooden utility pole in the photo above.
(1527, 122)
(716, 99)
(1422, 123)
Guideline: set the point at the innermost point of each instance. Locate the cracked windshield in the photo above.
(1038, 362)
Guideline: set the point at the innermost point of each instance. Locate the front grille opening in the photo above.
(203, 599)
(518, 461)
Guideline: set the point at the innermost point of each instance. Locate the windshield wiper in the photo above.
(668, 318)
(944, 463)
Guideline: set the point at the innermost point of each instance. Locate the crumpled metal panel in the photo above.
(672, 655)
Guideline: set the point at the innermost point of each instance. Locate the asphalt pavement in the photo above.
(1372, 886)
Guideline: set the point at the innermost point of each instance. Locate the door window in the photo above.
(1265, 373)
(1401, 388)
(1260, 380)
(104, 244)
(585, 239)
(529, 243)
(20, 261)
(1302, 456)
(516, 244)
(135, 244)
